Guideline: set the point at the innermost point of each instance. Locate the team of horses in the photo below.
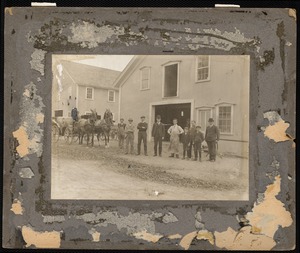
(92, 126)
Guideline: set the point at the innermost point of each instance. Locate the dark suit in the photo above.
(186, 141)
(158, 132)
(142, 136)
(212, 135)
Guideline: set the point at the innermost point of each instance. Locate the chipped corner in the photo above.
(293, 13)
(8, 10)
(43, 239)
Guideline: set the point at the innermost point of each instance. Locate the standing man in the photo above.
(129, 131)
(174, 132)
(74, 114)
(142, 135)
(192, 132)
(121, 133)
(158, 132)
(212, 136)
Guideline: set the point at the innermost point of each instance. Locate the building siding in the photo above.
(75, 79)
(229, 83)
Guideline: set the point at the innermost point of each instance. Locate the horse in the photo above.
(87, 126)
(104, 126)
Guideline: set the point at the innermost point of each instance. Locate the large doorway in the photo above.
(170, 111)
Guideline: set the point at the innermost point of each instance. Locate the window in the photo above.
(145, 78)
(111, 96)
(89, 93)
(58, 113)
(225, 114)
(202, 71)
(171, 80)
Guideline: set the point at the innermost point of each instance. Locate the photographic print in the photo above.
(150, 127)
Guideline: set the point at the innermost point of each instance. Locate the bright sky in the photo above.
(115, 62)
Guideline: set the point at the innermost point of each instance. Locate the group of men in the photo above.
(190, 137)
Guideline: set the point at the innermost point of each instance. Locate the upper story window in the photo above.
(171, 82)
(89, 94)
(202, 68)
(225, 118)
(58, 113)
(111, 96)
(145, 78)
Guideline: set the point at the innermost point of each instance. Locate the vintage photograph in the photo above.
(150, 127)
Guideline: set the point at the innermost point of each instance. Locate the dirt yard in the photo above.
(81, 172)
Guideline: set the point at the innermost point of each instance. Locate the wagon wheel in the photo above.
(68, 136)
(55, 133)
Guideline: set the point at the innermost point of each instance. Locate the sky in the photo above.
(114, 62)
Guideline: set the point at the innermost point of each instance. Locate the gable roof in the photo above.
(129, 69)
(90, 76)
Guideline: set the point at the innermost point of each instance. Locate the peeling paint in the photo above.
(144, 235)
(95, 234)
(133, 223)
(169, 218)
(52, 219)
(29, 134)
(41, 239)
(89, 35)
(37, 57)
(187, 240)
(26, 172)
(243, 240)
(277, 129)
(264, 220)
(206, 235)
(39, 118)
(268, 215)
(174, 236)
(16, 207)
(22, 137)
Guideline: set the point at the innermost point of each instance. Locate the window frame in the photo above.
(141, 77)
(108, 96)
(217, 116)
(196, 70)
(93, 91)
(163, 78)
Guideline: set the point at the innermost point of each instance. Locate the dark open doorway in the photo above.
(168, 112)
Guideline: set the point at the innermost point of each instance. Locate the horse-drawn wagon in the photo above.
(64, 127)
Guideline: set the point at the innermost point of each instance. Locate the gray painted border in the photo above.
(34, 34)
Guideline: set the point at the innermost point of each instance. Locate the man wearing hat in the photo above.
(129, 131)
(212, 135)
(158, 133)
(142, 135)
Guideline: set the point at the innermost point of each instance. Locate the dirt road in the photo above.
(81, 172)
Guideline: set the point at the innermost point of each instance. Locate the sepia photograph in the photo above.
(150, 127)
